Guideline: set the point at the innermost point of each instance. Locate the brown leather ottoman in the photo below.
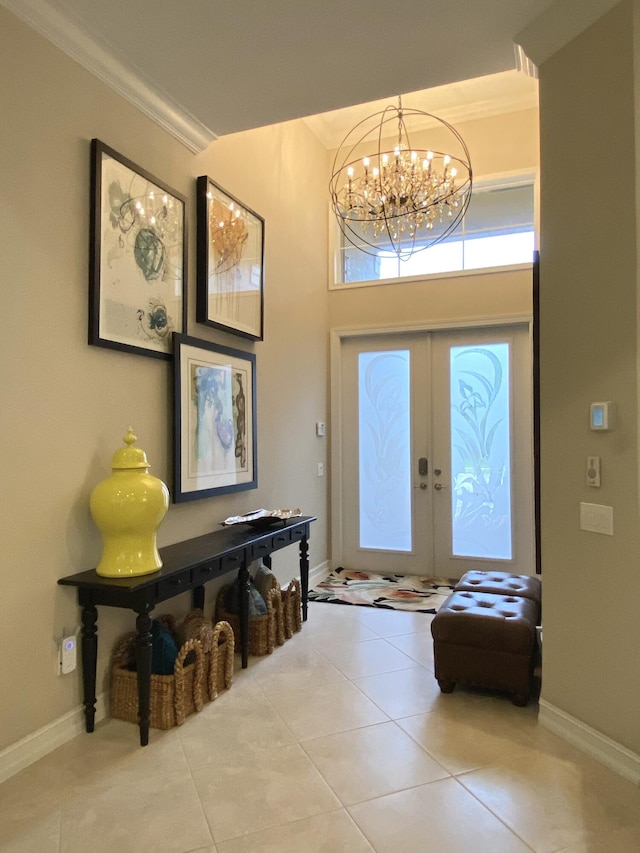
(501, 583)
(485, 640)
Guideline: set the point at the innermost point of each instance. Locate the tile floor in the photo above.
(339, 741)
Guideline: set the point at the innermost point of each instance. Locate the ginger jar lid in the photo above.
(129, 457)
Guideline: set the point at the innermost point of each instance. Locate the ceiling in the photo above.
(206, 68)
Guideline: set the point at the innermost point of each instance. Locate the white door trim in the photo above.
(336, 337)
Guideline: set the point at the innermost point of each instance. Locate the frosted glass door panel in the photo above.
(384, 442)
(480, 451)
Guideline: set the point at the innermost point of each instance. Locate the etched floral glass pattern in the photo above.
(384, 450)
(480, 451)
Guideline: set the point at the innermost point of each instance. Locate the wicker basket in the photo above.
(292, 608)
(218, 646)
(289, 614)
(262, 629)
(173, 697)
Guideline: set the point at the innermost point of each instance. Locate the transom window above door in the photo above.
(497, 230)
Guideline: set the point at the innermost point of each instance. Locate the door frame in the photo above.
(336, 338)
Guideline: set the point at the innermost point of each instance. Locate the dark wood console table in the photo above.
(186, 566)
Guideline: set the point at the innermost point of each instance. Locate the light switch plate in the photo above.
(596, 518)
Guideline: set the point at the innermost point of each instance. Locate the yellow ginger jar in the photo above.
(127, 508)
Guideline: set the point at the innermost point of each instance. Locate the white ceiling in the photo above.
(205, 68)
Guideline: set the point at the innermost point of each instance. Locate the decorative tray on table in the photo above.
(262, 517)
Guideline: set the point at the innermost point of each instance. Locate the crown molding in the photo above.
(85, 49)
(563, 21)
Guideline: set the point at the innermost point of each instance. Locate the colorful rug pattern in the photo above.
(391, 592)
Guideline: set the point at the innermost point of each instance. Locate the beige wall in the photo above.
(437, 300)
(588, 272)
(65, 405)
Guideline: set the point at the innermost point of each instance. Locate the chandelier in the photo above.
(398, 196)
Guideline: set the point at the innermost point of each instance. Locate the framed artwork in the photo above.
(215, 440)
(230, 274)
(138, 257)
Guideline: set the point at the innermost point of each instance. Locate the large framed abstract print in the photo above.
(230, 274)
(138, 257)
(215, 439)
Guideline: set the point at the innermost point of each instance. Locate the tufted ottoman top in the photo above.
(482, 620)
(502, 583)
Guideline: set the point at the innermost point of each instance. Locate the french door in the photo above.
(436, 463)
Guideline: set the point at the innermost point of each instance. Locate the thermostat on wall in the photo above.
(601, 416)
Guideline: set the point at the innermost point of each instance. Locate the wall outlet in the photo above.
(67, 655)
(320, 469)
(320, 428)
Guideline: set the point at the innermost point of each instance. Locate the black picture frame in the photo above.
(230, 262)
(137, 257)
(215, 429)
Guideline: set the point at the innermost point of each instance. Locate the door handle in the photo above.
(423, 466)
(422, 486)
(438, 486)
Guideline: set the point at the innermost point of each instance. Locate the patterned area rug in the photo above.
(391, 592)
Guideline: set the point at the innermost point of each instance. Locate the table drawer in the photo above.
(206, 572)
(279, 540)
(232, 561)
(174, 585)
(260, 549)
(298, 533)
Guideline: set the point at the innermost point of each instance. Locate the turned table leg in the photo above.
(89, 660)
(304, 576)
(243, 581)
(143, 667)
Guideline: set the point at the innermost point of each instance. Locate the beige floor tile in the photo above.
(404, 692)
(30, 830)
(418, 646)
(298, 667)
(617, 841)
(371, 762)
(112, 755)
(391, 623)
(261, 790)
(370, 657)
(160, 813)
(466, 738)
(549, 801)
(440, 817)
(328, 833)
(213, 737)
(326, 709)
(341, 630)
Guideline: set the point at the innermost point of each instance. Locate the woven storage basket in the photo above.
(288, 614)
(173, 697)
(218, 646)
(292, 608)
(262, 629)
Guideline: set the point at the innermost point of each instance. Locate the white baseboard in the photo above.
(613, 755)
(318, 573)
(24, 752)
